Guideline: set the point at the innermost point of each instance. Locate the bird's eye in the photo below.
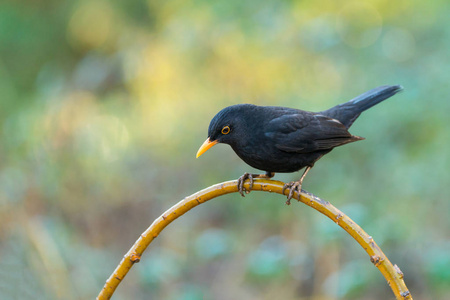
(226, 130)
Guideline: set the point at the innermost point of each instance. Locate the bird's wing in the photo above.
(307, 132)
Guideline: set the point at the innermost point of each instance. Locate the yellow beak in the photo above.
(206, 145)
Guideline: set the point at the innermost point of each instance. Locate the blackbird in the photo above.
(280, 139)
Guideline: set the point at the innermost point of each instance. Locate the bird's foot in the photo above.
(241, 181)
(250, 177)
(293, 186)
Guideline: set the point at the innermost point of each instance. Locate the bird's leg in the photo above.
(295, 186)
(250, 177)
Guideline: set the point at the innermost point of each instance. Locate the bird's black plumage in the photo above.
(280, 139)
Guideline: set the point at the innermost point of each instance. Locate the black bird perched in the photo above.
(280, 139)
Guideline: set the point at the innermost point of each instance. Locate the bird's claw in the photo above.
(293, 186)
(241, 181)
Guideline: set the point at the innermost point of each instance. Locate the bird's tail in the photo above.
(347, 112)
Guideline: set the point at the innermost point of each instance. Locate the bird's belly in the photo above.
(277, 165)
(279, 161)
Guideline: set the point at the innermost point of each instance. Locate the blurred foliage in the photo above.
(105, 103)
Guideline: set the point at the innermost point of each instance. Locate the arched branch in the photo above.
(392, 274)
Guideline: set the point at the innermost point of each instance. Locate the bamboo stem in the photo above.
(392, 273)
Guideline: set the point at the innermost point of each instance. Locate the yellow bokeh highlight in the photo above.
(359, 24)
(91, 25)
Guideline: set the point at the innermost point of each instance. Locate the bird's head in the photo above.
(227, 127)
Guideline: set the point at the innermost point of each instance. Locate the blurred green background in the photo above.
(105, 103)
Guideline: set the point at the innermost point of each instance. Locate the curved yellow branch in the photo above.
(392, 273)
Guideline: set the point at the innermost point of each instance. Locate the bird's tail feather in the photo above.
(347, 112)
